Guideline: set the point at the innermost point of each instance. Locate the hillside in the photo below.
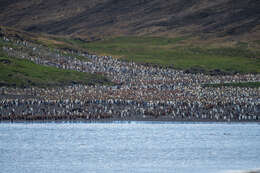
(94, 19)
(18, 49)
(190, 54)
(183, 53)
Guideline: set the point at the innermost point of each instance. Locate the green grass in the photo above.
(246, 84)
(176, 52)
(23, 73)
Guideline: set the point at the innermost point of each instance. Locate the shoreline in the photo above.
(128, 120)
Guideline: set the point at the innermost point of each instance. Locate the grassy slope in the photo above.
(179, 52)
(23, 73)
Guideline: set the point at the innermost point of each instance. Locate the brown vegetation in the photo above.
(104, 18)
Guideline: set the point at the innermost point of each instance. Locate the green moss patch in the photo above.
(23, 73)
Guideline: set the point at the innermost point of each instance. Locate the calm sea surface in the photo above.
(128, 147)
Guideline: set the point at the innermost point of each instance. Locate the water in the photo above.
(128, 147)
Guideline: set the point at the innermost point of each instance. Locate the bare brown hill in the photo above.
(104, 18)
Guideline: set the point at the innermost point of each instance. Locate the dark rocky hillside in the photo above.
(99, 18)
